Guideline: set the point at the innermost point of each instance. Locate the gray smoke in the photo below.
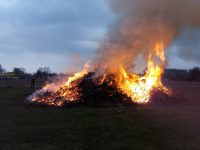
(143, 23)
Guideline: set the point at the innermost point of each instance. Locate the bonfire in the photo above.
(123, 87)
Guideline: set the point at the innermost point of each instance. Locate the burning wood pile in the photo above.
(91, 88)
(84, 91)
(143, 28)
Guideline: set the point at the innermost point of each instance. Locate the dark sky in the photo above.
(63, 34)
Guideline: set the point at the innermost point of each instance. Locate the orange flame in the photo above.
(139, 88)
(67, 91)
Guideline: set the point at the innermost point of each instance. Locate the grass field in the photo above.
(160, 127)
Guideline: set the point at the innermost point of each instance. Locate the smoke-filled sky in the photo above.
(63, 34)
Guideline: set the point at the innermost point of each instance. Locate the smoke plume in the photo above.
(141, 24)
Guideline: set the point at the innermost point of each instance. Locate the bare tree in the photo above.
(195, 74)
(2, 70)
(43, 71)
(19, 71)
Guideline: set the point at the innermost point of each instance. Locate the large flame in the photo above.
(137, 87)
(140, 88)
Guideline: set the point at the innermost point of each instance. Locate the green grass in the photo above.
(28, 128)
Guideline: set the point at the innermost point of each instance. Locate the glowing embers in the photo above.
(58, 94)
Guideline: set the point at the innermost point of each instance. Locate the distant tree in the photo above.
(19, 72)
(43, 71)
(195, 74)
(183, 75)
(177, 74)
(2, 70)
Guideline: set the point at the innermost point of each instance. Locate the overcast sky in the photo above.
(62, 34)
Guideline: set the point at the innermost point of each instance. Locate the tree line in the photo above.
(171, 74)
(22, 73)
(182, 74)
